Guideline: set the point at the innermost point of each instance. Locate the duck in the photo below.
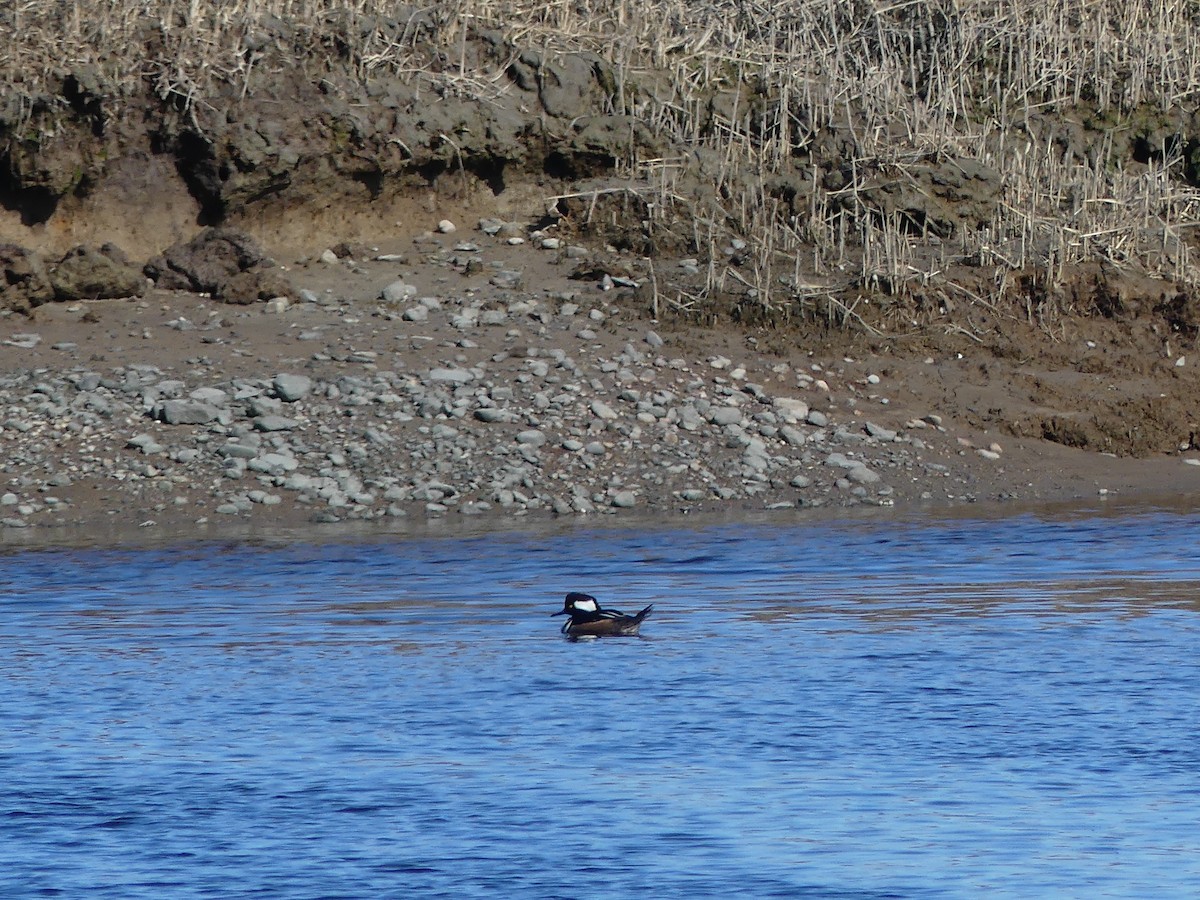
(589, 619)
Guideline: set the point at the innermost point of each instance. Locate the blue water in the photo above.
(861, 709)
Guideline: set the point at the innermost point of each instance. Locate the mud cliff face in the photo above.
(301, 144)
(94, 158)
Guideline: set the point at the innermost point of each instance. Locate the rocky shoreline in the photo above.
(481, 263)
(448, 377)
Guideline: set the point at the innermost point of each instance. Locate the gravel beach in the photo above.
(451, 375)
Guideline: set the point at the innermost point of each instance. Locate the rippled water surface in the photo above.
(834, 709)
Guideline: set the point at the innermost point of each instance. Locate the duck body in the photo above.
(589, 619)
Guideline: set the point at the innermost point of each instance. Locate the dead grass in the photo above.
(758, 88)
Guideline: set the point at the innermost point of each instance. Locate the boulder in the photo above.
(291, 388)
(187, 412)
(89, 274)
(24, 282)
(226, 263)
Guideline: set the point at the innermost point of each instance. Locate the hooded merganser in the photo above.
(589, 620)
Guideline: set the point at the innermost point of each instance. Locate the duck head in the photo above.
(576, 603)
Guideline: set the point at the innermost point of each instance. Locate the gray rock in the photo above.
(755, 456)
(493, 317)
(879, 432)
(450, 376)
(275, 423)
(491, 414)
(187, 412)
(602, 410)
(817, 418)
(624, 499)
(298, 481)
(860, 474)
(841, 461)
(653, 339)
(210, 395)
(793, 436)
(533, 437)
(146, 443)
(26, 340)
(264, 406)
(507, 279)
(725, 415)
(273, 464)
(291, 388)
(791, 406)
(689, 418)
(378, 437)
(398, 291)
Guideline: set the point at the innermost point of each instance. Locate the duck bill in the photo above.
(561, 612)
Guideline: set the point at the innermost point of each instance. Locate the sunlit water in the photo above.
(839, 709)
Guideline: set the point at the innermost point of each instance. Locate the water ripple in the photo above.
(835, 710)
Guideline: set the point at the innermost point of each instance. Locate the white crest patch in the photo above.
(588, 605)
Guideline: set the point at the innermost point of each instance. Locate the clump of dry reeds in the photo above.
(771, 86)
(750, 89)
